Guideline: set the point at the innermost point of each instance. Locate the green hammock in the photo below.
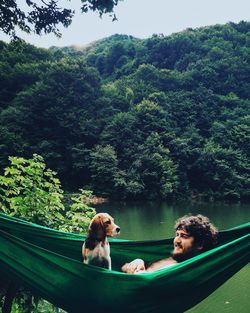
(49, 263)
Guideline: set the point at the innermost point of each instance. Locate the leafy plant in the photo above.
(30, 191)
(77, 221)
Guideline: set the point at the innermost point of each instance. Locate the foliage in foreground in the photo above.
(45, 17)
(30, 191)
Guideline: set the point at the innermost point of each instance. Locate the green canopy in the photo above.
(49, 263)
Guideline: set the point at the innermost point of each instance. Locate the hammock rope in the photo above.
(49, 263)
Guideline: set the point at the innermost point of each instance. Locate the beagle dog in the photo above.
(95, 249)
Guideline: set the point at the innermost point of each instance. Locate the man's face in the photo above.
(184, 246)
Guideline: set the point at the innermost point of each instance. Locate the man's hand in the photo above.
(134, 267)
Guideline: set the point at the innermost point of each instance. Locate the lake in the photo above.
(155, 220)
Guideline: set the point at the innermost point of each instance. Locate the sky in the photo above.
(142, 19)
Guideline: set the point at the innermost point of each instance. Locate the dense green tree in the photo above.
(145, 163)
(154, 168)
(183, 97)
(54, 115)
(151, 173)
(120, 133)
(185, 150)
(119, 94)
(20, 66)
(103, 167)
(223, 172)
(233, 133)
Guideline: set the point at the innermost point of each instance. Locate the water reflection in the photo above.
(155, 220)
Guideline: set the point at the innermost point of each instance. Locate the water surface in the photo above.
(155, 220)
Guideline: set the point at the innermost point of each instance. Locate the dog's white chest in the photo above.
(101, 250)
(99, 255)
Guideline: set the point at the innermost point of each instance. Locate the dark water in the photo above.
(152, 220)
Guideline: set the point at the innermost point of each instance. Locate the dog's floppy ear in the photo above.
(96, 227)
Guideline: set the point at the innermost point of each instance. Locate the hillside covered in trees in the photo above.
(129, 118)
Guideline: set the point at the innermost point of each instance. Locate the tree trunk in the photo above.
(9, 297)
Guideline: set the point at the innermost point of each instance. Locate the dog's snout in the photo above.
(118, 229)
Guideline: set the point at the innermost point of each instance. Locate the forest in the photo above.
(157, 118)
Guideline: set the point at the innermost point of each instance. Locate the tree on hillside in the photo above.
(225, 170)
(168, 116)
(104, 167)
(44, 16)
(58, 109)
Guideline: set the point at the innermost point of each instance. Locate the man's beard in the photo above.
(180, 257)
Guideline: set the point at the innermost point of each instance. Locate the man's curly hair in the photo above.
(199, 226)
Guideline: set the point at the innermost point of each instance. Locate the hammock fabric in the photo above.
(49, 263)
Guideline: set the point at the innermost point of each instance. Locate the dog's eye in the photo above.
(107, 222)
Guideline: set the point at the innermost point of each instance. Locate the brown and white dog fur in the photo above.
(95, 249)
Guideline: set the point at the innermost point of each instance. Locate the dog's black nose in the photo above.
(118, 229)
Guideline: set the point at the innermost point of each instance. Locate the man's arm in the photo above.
(139, 266)
(136, 266)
